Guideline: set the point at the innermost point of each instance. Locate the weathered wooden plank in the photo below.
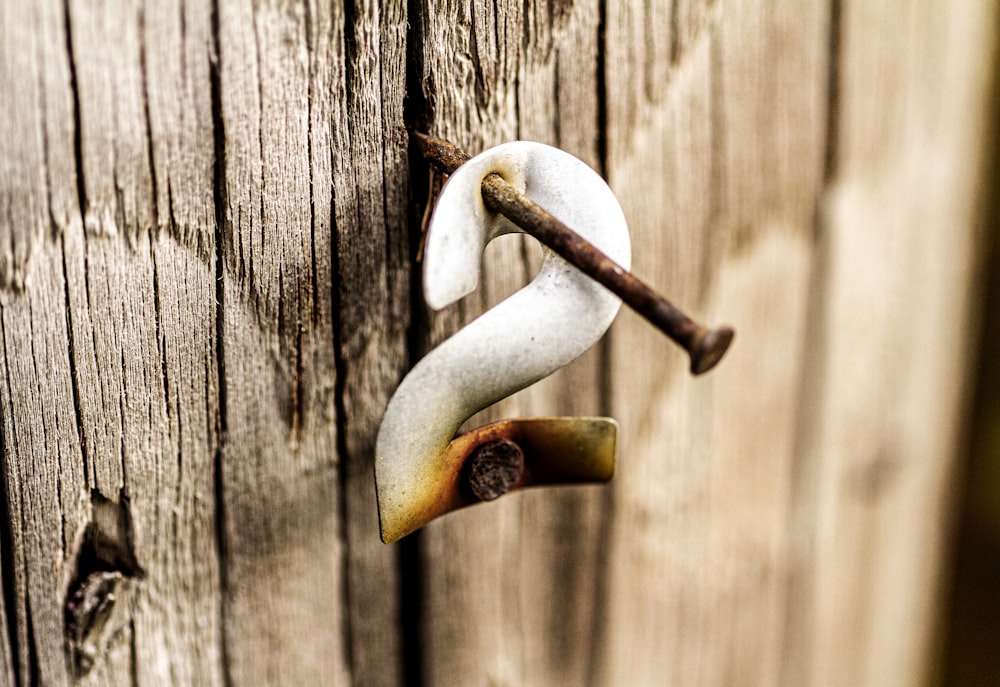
(279, 472)
(204, 305)
(718, 164)
(143, 326)
(176, 52)
(473, 100)
(37, 398)
(465, 582)
(22, 176)
(116, 166)
(562, 535)
(515, 583)
(899, 253)
(135, 380)
(43, 470)
(372, 290)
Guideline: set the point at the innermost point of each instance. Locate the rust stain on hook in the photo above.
(557, 450)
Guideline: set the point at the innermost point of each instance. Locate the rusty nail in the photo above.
(494, 468)
(705, 345)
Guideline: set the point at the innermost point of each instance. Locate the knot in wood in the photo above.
(494, 468)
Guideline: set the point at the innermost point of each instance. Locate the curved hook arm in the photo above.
(537, 330)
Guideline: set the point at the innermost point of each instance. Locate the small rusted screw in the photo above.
(704, 345)
(494, 468)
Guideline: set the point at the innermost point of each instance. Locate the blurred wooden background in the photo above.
(208, 222)
(971, 625)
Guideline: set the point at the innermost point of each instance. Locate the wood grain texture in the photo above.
(143, 316)
(464, 582)
(25, 224)
(718, 161)
(899, 252)
(22, 201)
(371, 259)
(280, 475)
(206, 242)
(515, 583)
(372, 290)
(121, 322)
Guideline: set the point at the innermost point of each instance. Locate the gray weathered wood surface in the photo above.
(208, 216)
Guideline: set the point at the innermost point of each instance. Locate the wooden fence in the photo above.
(209, 216)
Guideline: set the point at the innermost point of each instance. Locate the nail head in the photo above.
(494, 468)
(709, 347)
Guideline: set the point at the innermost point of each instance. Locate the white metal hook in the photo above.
(534, 332)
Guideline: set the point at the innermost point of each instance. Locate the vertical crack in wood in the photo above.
(650, 37)
(717, 151)
(34, 670)
(133, 664)
(311, 299)
(798, 612)
(557, 132)
(144, 75)
(77, 119)
(342, 452)
(250, 278)
(81, 199)
(411, 573)
(341, 411)
(73, 372)
(675, 32)
(11, 602)
(54, 226)
(393, 65)
(161, 349)
(387, 227)
(416, 114)
(516, 90)
(82, 208)
(161, 339)
(218, 476)
(605, 378)
(124, 404)
(832, 147)
(479, 81)
(340, 366)
(314, 271)
(602, 87)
